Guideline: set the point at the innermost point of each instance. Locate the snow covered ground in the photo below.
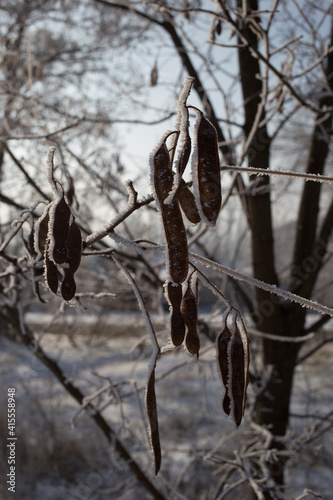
(60, 454)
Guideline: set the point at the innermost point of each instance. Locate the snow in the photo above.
(115, 357)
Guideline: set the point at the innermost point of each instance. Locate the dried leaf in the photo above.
(174, 297)
(206, 171)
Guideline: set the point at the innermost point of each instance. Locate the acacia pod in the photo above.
(185, 153)
(60, 215)
(174, 296)
(51, 274)
(237, 383)
(40, 233)
(233, 360)
(206, 170)
(74, 251)
(222, 343)
(187, 203)
(153, 421)
(175, 235)
(189, 309)
(68, 285)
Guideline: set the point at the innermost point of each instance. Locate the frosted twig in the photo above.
(287, 173)
(310, 304)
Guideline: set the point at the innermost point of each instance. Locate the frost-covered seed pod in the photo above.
(188, 204)
(60, 215)
(206, 172)
(222, 343)
(175, 234)
(174, 296)
(233, 361)
(189, 309)
(74, 251)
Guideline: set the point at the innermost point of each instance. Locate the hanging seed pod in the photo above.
(74, 251)
(206, 170)
(51, 274)
(174, 297)
(40, 233)
(59, 222)
(153, 421)
(162, 181)
(222, 343)
(189, 309)
(185, 153)
(188, 204)
(233, 361)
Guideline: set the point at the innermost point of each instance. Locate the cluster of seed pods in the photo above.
(175, 200)
(58, 242)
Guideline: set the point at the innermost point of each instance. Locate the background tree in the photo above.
(257, 70)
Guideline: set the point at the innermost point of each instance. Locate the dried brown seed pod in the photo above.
(174, 296)
(153, 421)
(185, 153)
(59, 223)
(68, 285)
(188, 204)
(74, 251)
(51, 274)
(189, 309)
(222, 343)
(206, 172)
(238, 377)
(233, 360)
(40, 233)
(175, 234)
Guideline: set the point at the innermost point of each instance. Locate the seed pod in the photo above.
(206, 170)
(185, 153)
(174, 297)
(153, 420)
(51, 274)
(187, 203)
(237, 382)
(40, 233)
(222, 342)
(60, 215)
(74, 251)
(162, 181)
(189, 309)
(233, 361)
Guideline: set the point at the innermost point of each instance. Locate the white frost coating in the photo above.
(50, 238)
(181, 125)
(310, 304)
(50, 167)
(36, 233)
